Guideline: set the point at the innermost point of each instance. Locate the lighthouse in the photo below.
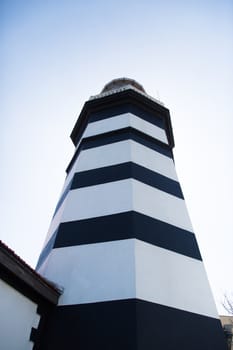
(121, 243)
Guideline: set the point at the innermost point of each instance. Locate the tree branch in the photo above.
(228, 303)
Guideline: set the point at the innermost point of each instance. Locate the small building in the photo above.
(26, 301)
(227, 323)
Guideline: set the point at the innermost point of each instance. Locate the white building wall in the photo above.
(17, 317)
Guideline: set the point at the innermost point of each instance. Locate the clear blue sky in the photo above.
(55, 54)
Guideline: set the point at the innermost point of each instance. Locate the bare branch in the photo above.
(228, 303)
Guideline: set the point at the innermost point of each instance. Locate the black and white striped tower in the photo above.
(121, 242)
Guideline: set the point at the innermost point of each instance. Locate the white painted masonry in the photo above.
(93, 272)
(153, 160)
(17, 317)
(172, 279)
(93, 201)
(160, 205)
(130, 269)
(123, 121)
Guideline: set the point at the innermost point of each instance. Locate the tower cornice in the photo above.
(119, 97)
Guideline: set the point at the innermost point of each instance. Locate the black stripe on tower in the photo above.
(153, 118)
(131, 324)
(121, 172)
(125, 171)
(121, 135)
(123, 226)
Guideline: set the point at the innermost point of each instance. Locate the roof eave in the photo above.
(20, 271)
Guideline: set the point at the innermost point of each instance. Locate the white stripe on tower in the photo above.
(123, 121)
(129, 269)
